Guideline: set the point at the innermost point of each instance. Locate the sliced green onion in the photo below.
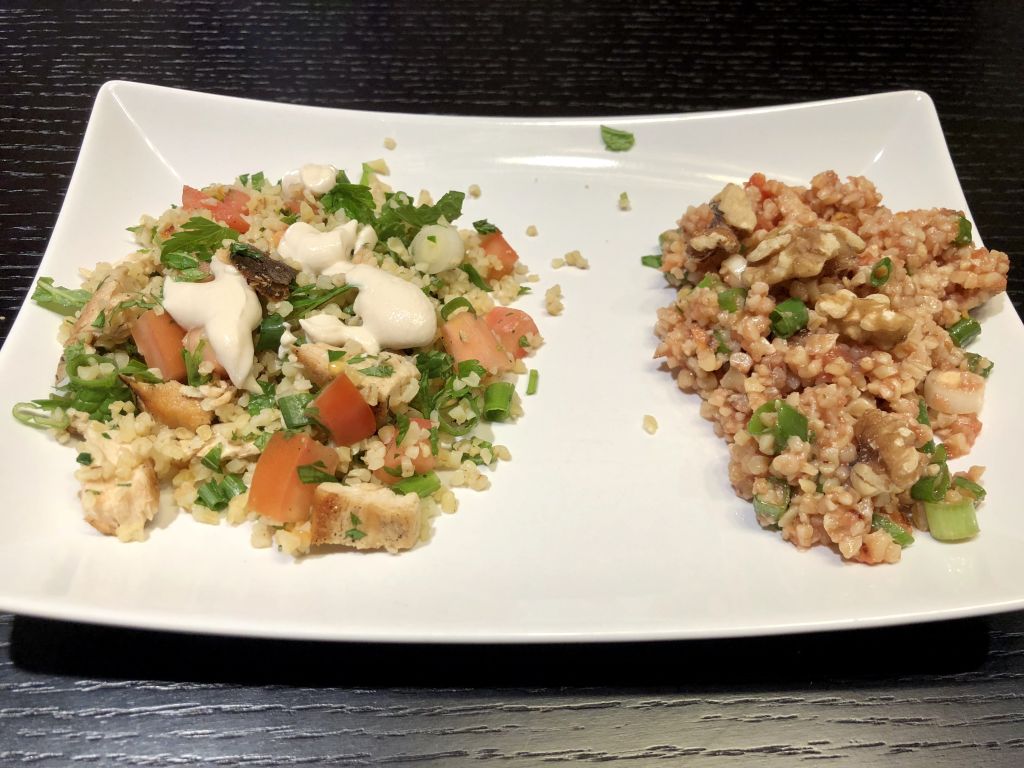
(723, 343)
(896, 531)
(315, 473)
(951, 521)
(261, 440)
(653, 261)
(710, 280)
(789, 422)
(922, 412)
(498, 400)
(422, 485)
(531, 382)
(932, 488)
(730, 298)
(293, 410)
(233, 485)
(979, 364)
(212, 458)
(455, 428)
(210, 495)
(475, 278)
(460, 302)
(40, 416)
(880, 274)
(964, 331)
(970, 486)
(964, 232)
(770, 510)
(271, 330)
(789, 317)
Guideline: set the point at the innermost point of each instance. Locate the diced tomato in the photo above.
(757, 180)
(496, 245)
(510, 326)
(159, 340)
(277, 491)
(295, 206)
(230, 210)
(423, 462)
(191, 342)
(344, 412)
(192, 198)
(468, 337)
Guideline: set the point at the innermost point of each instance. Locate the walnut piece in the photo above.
(865, 321)
(796, 251)
(716, 241)
(888, 445)
(736, 208)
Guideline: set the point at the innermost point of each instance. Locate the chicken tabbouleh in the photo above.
(317, 356)
(826, 336)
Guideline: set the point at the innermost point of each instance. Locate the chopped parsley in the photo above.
(381, 370)
(354, 199)
(964, 232)
(315, 473)
(354, 533)
(200, 236)
(484, 227)
(616, 140)
(63, 301)
(192, 361)
(85, 459)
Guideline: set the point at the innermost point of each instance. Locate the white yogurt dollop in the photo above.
(227, 310)
(395, 314)
(318, 179)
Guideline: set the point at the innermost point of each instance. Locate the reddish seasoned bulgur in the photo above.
(859, 377)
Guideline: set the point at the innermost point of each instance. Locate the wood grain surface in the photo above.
(934, 695)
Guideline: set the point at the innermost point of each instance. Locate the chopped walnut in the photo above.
(796, 251)
(736, 208)
(716, 241)
(869, 320)
(888, 444)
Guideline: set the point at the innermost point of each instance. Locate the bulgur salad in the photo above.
(826, 336)
(317, 356)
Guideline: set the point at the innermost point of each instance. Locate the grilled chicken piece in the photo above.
(365, 517)
(316, 362)
(122, 509)
(381, 393)
(166, 403)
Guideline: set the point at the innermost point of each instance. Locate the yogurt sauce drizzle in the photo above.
(395, 313)
(316, 251)
(227, 310)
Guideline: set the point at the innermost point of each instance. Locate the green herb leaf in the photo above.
(84, 459)
(382, 370)
(422, 485)
(200, 236)
(271, 330)
(306, 298)
(484, 227)
(63, 301)
(259, 403)
(616, 140)
(654, 261)
(315, 473)
(192, 362)
(355, 199)
(179, 260)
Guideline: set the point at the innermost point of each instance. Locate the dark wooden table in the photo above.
(935, 695)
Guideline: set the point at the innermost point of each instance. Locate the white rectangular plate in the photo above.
(595, 530)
